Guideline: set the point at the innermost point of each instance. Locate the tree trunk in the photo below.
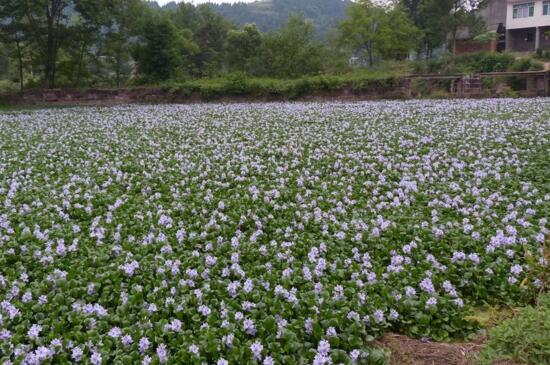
(20, 60)
(79, 68)
(53, 14)
(118, 67)
(454, 40)
(50, 55)
(370, 53)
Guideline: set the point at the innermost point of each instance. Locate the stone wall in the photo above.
(467, 46)
(458, 86)
(91, 96)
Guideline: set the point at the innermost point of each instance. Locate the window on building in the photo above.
(546, 8)
(524, 10)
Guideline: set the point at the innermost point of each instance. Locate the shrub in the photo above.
(235, 84)
(526, 64)
(543, 54)
(7, 87)
(441, 65)
(467, 63)
(239, 85)
(485, 62)
(524, 338)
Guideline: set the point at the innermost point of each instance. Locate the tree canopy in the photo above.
(378, 31)
(90, 43)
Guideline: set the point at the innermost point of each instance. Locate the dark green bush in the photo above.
(468, 63)
(484, 62)
(526, 64)
(543, 54)
(441, 65)
(239, 85)
(7, 87)
(236, 84)
(524, 338)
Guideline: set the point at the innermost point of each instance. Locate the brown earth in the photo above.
(157, 95)
(407, 351)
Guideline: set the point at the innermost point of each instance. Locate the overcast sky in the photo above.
(162, 2)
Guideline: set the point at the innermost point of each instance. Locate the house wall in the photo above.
(544, 41)
(466, 46)
(538, 20)
(518, 42)
(494, 14)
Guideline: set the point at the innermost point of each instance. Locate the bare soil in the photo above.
(407, 351)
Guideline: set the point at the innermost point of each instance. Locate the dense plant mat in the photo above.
(282, 233)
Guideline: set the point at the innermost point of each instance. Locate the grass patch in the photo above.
(524, 338)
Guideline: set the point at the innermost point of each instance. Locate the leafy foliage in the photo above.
(237, 84)
(285, 233)
(270, 15)
(378, 30)
(292, 51)
(437, 19)
(524, 338)
(478, 62)
(164, 50)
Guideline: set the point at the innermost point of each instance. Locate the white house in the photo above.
(527, 25)
(522, 26)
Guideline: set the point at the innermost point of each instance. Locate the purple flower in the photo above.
(34, 332)
(96, 359)
(256, 349)
(431, 302)
(77, 354)
(162, 354)
(323, 348)
(143, 344)
(378, 316)
(427, 285)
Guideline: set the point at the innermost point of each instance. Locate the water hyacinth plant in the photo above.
(265, 233)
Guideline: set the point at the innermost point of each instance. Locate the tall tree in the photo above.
(412, 8)
(465, 14)
(127, 17)
(292, 51)
(243, 47)
(164, 50)
(433, 22)
(210, 36)
(48, 24)
(440, 19)
(46, 20)
(13, 33)
(378, 30)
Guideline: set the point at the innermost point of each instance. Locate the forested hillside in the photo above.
(273, 14)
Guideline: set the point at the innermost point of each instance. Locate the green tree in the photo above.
(378, 31)
(13, 35)
(433, 15)
(465, 14)
(164, 51)
(50, 25)
(209, 31)
(412, 8)
(83, 25)
(45, 21)
(440, 19)
(398, 34)
(125, 23)
(210, 36)
(292, 51)
(243, 48)
(186, 16)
